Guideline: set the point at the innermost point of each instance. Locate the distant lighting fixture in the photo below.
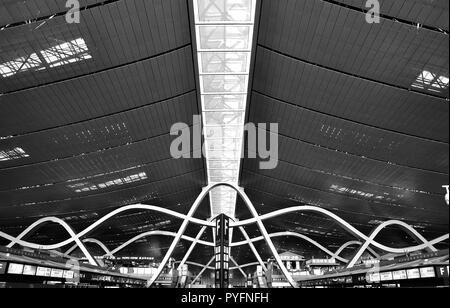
(65, 53)
(431, 82)
(13, 154)
(447, 195)
(355, 192)
(87, 187)
(224, 34)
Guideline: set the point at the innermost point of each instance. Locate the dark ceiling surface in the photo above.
(355, 136)
(99, 119)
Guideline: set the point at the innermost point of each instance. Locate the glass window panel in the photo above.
(224, 102)
(220, 132)
(224, 10)
(227, 155)
(222, 179)
(224, 145)
(225, 37)
(224, 62)
(223, 164)
(223, 173)
(224, 83)
(224, 118)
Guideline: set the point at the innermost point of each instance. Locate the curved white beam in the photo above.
(18, 239)
(252, 247)
(203, 270)
(237, 267)
(371, 239)
(245, 265)
(94, 241)
(357, 243)
(191, 248)
(353, 230)
(73, 238)
(181, 231)
(293, 234)
(335, 255)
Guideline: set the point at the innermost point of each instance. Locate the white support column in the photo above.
(253, 248)
(238, 267)
(266, 236)
(203, 270)
(180, 233)
(191, 248)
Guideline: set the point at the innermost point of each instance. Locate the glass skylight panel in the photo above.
(224, 62)
(224, 32)
(214, 132)
(431, 82)
(219, 38)
(223, 164)
(65, 53)
(223, 84)
(224, 102)
(13, 154)
(20, 65)
(224, 11)
(68, 52)
(86, 186)
(224, 118)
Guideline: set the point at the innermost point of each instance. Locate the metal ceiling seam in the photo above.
(357, 179)
(56, 14)
(351, 121)
(103, 150)
(37, 186)
(104, 193)
(397, 205)
(332, 207)
(441, 98)
(361, 156)
(111, 68)
(391, 18)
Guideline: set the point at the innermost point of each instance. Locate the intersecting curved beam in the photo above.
(31, 228)
(245, 266)
(156, 233)
(93, 241)
(335, 255)
(181, 231)
(355, 243)
(73, 238)
(205, 267)
(191, 248)
(358, 234)
(252, 247)
(197, 264)
(238, 267)
(293, 234)
(373, 235)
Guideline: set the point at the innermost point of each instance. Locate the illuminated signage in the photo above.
(2, 267)
(413, 273)
(68, 274)
(57, 273)
(386, 276)
(16, 269)
(43, 272)
(29, 270)
(400, 275)
(442, 271)
(427, 272)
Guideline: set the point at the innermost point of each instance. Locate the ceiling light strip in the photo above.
(224, 38)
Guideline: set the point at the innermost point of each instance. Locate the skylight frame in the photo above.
(230, 101)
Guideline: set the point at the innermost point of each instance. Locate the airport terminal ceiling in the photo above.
(86, 112)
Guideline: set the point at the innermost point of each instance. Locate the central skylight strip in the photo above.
(224, 33)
